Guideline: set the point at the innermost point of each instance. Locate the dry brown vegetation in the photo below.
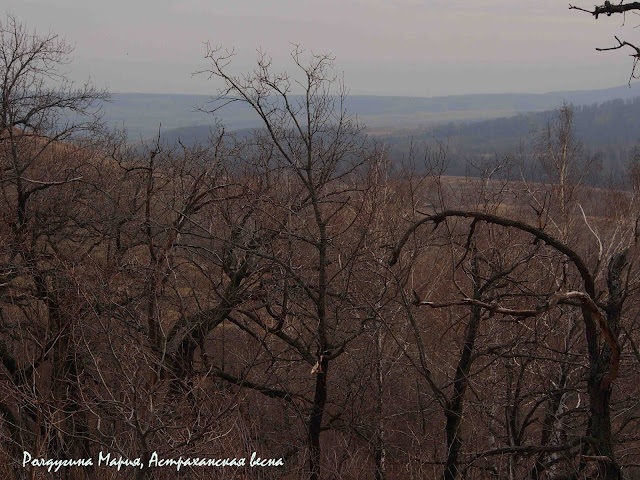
(296, 296)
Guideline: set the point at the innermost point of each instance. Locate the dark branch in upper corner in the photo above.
(620, 45)
(609, 9)
(636, 56)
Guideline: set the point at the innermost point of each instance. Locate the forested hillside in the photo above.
(609, 129)
(293, 304)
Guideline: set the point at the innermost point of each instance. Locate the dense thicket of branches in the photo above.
(295, 296)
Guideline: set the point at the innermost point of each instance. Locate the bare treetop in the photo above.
(37, 95)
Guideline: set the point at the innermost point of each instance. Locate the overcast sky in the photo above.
(383, 47)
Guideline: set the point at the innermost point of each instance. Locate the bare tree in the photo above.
(314, 157)
(40, 178)
(601, 321)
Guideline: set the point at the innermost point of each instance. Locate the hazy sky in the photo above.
(383, 47)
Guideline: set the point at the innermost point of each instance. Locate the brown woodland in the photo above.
(296, 295)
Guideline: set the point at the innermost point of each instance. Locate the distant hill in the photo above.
(466, 124)
(610, 129)
(143, 114)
